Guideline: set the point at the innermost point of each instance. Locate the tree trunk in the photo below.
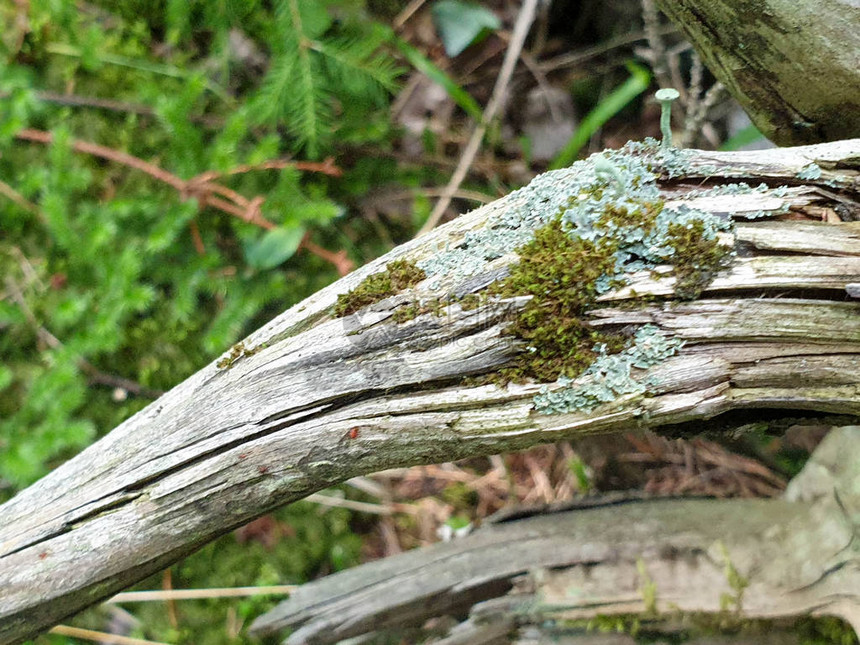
(312, 399)
(664, 559)
(793, 65)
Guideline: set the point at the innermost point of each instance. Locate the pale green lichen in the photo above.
(738, 188)
(761, 214)
(742, 188)
(610, 375)
(810, 172)
(673, 162)
(583, 194)
(536, 204)
(606, 170)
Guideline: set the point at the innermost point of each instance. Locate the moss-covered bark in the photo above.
(792, 64)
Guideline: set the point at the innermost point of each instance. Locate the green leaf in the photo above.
(462, 23)
(424, 65)
(274, 247)
(617, 100)
(748, 135)
(580, 471)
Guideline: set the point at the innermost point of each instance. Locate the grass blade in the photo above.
(423, 64)
(638, 82)
(748, 135)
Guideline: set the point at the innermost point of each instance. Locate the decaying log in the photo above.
(791, 64)
(734, 559)
(311, 399)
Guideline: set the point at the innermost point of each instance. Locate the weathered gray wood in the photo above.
(793, 65)
(738, 559)
(232, 442)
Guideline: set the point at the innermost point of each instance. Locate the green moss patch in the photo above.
(398, 275)
(410, 310)
(620, 216)
(566, 266)
(470, 301)
(679, 627)
(561, 272)
(236, 352)
(587, 249)
(697, 257)
(579, 233)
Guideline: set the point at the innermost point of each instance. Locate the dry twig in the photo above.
(100, 637)
(521, 30)
(206, 191)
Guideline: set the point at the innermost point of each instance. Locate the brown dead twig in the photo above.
(679, 467)
(100, 637)
(421, 500)
(206, 191)
(7, 191)
(415, 503)
(521, 28)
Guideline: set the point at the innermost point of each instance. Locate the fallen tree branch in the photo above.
(661, 559)
(311, 399)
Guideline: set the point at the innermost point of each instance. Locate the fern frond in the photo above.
(274, 90)
(308, 109)
(309, 71)
(292, 92)
(355, 62)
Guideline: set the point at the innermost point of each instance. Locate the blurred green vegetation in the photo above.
(293, 545)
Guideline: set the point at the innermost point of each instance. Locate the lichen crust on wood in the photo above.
(575, 234)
